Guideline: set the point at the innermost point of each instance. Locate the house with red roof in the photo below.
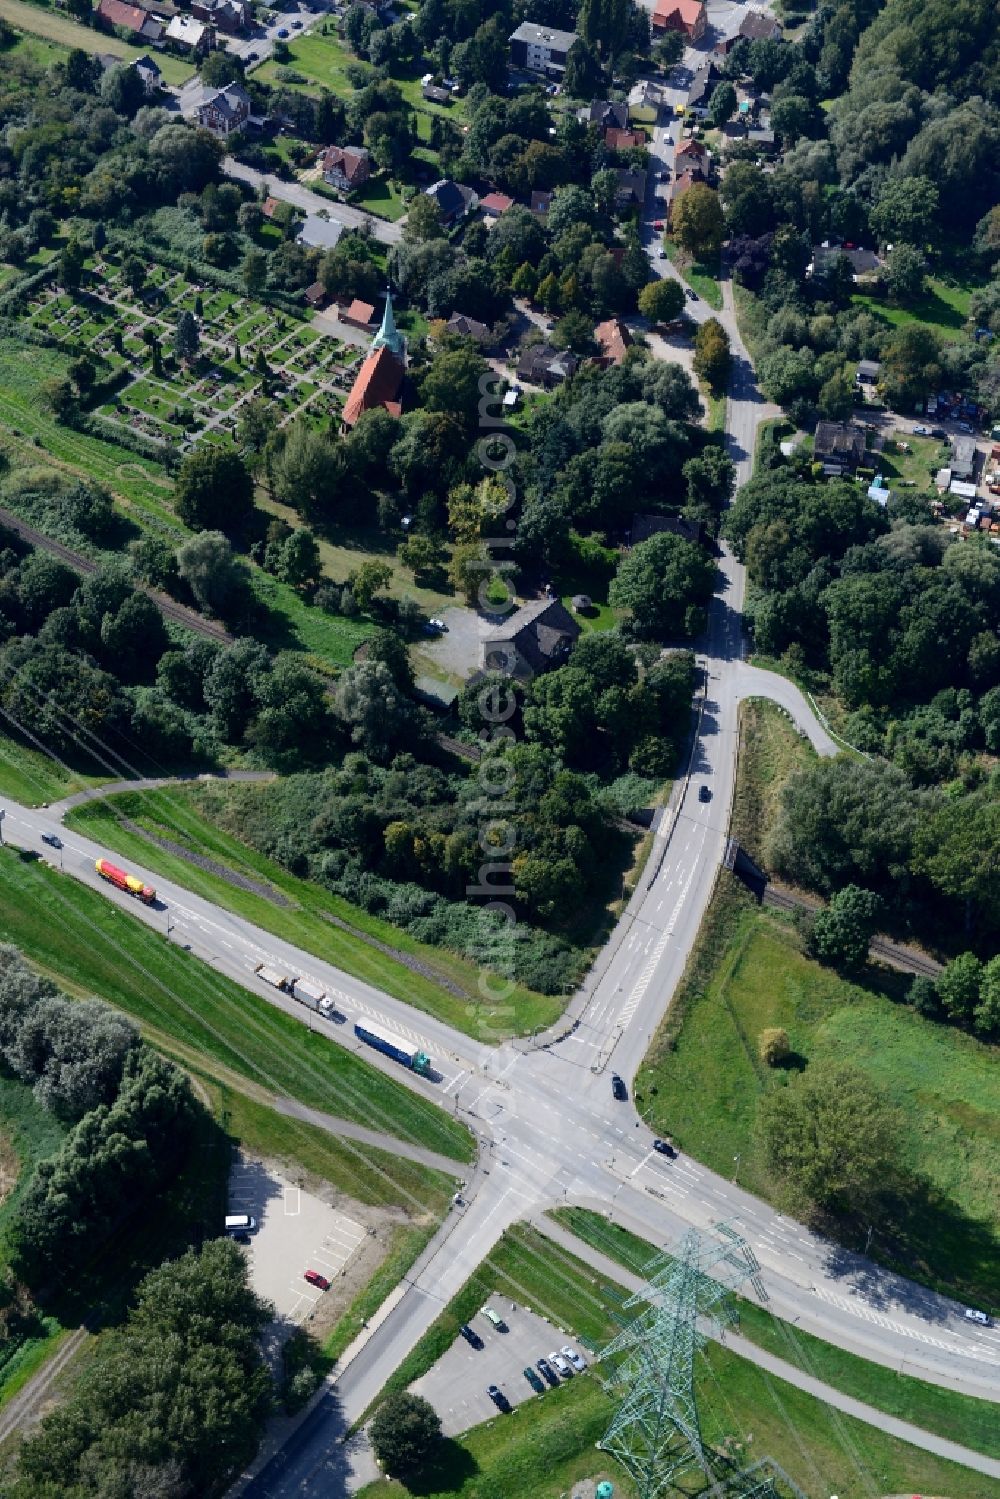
(687, 16)
(614, 340)
(131, 18)
(617, 139)
(494, 204)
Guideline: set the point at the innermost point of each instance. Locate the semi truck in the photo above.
(122, 880)
(394, 1046)
(306, 991)
(273, 976)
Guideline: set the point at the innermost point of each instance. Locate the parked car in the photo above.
(939, 432)
(579, 1363)
(283, 33)
(546, 1369)
(664, 1147)
(471, 1336)
(704, 795)
(691, 294)
(964, 427)
(495, 1318)
(319, 1281)
(661, 253)
(52, 839)
(920, 431)
(972, 1314)
(533, 1379)
(618, 1088)
(658, 225)
(296, 25)
(557, 1360)
(498, 1397)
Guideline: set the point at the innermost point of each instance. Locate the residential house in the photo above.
(535, 638)
(193, 36)
(605, 114)
(453, 200)
(494, 204)
(631, 190)
(224, 110)
(131, 18)
(687, 16)
(762, 137)
(468, 327)
(839, 446)
(234, 17)
(542, 365)
(269, 205)
(863, 262)
(617, 139)
(703, 86)
(435, 94)
(645, 100)
(757, 26)
(379, 381)
(867, 372)
(613, 338)
(691, 156)
(319, 234)
(346, 167)
(149, 74)
(644, 526)
(540, 202)
(316, 295)
(358, 314)
(540, 49)
(963, 457)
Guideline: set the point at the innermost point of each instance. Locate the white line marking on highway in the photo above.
(293, 1202)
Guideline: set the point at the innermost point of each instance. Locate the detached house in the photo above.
(346, 167)
(453, 200)
(614, 340)
(194, 36)
(687, 16)
(536, 638)
(839, 446)
(149, 74)
(231, 16)
(606, 115)
(224, 110)
(131, 18)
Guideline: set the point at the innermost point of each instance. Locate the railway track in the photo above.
(168, 607)
(895, 953)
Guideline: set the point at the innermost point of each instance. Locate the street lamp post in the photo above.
(736, 1167)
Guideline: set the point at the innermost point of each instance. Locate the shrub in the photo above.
(773, 1046)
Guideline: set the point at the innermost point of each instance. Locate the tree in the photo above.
(452, 384)
(669, 50)
(308, 472)
(905, 211)
(421, 554)
(722, 105)
(712, 358)
(697, 220)
(986, 1016)
(186, 337)
(405, 1433)
(832, 1137)
(423, 221)
(906, 273)
(664, 583)
(134, 639)
(368, 580)
(379, 717)
(773, 1046)
(583, 71)
(911, 366)
(958, 849)
(254, 272)
(662, 301)
(214, 491)
(958, 987)
(841, 933)
(300, 563)
(134, 274)
(213, 574)
(70, 268)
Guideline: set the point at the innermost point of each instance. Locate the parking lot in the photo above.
(456, 1386)
(295, 1232)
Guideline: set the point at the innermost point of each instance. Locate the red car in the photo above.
(658, 225)
(315, 1279)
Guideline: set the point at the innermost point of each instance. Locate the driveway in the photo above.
(303, 197)
(295, 1232)
(456, 654)
(456, 1386)
(296, 20)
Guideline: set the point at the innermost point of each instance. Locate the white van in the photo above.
(240, 1223)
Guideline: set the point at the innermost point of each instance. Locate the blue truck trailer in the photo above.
(394, 1046)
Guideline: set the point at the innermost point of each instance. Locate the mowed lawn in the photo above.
(946, 1085)
(90, 946)
(185, 816)
(944, 307)
(62, 29)
(321, 59)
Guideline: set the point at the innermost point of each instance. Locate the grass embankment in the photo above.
(33, 778)
(92, 947)
(549, 1442)
(178, 814)
(960, 1418)
(702, 278)
(748, 972)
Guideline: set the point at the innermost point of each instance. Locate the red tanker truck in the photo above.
(123, 881)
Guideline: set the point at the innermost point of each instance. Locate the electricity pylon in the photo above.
(656, 1432)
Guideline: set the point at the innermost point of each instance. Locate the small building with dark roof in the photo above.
(453, 200)
(545, 366)
(645, 525)
(316, 295)
(868, 371)
(536, 638)
(468, 327)
(839, 446)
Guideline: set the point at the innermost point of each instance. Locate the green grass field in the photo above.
(91, 947)
(959, 1418)
(30, 1134)
(944, 308)
(549, 1442)
(701, 278)
(56, 26)
(33, 778)
(185, 816)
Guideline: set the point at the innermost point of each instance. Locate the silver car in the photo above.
(574, 1358)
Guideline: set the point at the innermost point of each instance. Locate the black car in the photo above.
(471, 1336)
(498, 1397)
(52, 840)
(664, 1147)
(939, 432)
(704, 795)
(546, 1370)
(618, 1088)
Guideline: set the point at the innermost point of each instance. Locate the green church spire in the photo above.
(388, 335)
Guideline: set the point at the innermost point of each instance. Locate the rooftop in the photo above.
(543, 36)
(379, 382)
